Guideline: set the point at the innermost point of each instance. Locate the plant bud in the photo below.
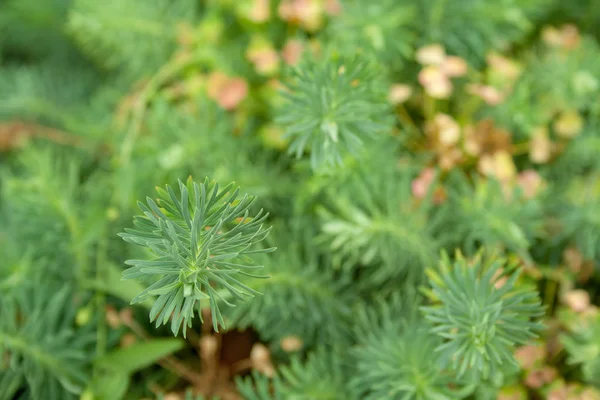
(499, 164)
(399, 93)
(227, 92)
(292, 51)
(578, 300)
(447, 128)
(260, 11)
(489, 94)
(83, 316)
(540, 146)
(530, 355)
(531, 182)
(291, 343)
(264, 56)
(433, 54)
(306, 13)
(333, 7)
(551, 36)
(420, 185)
(435, 82)
(540, 377)
(569, 124)
(503, 67)
(454, 66)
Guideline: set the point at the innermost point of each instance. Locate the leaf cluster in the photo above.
(198, 239)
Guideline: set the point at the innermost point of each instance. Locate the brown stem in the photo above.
(11, 132)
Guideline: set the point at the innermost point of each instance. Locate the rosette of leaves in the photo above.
(370, 219)
(481, 212)
(481, 313)
(201, 241)
(395, 356)
(382, 28)
(332, 106)
(583, 348)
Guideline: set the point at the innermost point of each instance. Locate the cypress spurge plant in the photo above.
(378, 134)
(199, 240)
(481, 313)
(332, 106)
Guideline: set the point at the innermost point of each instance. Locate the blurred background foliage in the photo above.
(377, 133)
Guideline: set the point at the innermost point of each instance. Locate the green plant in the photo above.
(385, 138)
(584, 349)
(200, 238)
(332, 106)
(480, 317)
(396, 356)
(320, 377)
(43, 350)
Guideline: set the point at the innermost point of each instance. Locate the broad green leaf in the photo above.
(139, 355)
(110, 385)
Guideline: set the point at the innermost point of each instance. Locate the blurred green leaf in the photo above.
(139, 355)
(110, 385)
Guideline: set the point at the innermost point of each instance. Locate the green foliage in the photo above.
(554, 81)
(110, 32)
(384, 28)
(371, 162)
(33, 29)
(580, 156)
(318, 301)
(201, 238)
(43, 92)
(176, 152)
(395, 357)
(115, 369)
(583, 347)
(331, 107)
(580, 221)
(370, 219)
(45, 188)
(139, 355)
(483, 214)
(43, 348)
(321, 377)
(492, 24)
(480, 317)
(390, 28)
